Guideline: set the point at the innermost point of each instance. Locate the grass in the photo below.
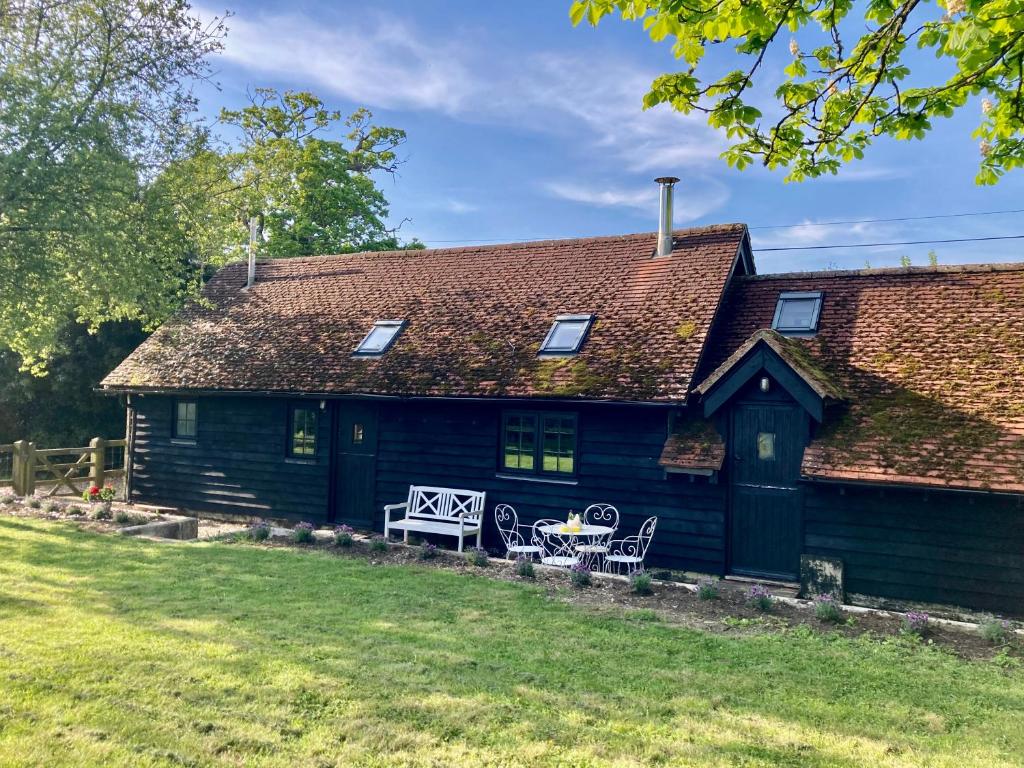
(117, 651)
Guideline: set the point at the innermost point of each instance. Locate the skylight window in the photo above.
(380, 338)
(566, 335)
(797, 313)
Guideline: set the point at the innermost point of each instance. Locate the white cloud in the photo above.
(643, 199)
(381, 61)
(694, 198)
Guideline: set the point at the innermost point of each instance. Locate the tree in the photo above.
(308, 194)
(849, 79)
(93, 102)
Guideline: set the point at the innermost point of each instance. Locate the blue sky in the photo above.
(522, 127)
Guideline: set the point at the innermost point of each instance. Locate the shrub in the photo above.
(258, 530)
(916, 623)
(378, 544)
(759, 596)
(579, 575)
(49, 507)
(122, 516)
(707, 588)
(303, 533)
(74, 510)
(477, 556)
(994, 630)
(101, 512)
(34, 503)
(524, 568)
(640, 583)
(343, 536)
(826, 608)
(428, 551)
(7, 497)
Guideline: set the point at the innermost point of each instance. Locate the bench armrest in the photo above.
(393, 507)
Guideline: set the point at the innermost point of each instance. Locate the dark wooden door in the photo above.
(766, 509)
(356, 464)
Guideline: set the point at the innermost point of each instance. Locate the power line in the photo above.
(796, 226)
(883, 245)
(887, 221)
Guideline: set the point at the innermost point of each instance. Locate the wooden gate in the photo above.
(62, 471)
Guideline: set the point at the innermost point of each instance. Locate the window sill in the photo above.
(183, 441)
(297, 460)
(536, 479)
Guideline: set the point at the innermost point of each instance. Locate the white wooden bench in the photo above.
(446, 511)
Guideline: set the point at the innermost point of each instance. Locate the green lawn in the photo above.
(122, 652)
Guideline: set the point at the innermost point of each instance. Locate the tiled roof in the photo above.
(476, 318)
(694, 445)
(930, 361)
(794, 355)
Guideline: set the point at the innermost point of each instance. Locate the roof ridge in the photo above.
(724, 228)
(939, 269)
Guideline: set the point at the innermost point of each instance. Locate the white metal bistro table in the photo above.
(585, 531)
(565, 556)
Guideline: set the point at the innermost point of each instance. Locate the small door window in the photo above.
(766, 446)
(357, 434)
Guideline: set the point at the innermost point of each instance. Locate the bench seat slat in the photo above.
(431, 527)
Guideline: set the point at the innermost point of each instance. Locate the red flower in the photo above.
(94, 490)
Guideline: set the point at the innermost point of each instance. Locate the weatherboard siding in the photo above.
(963, 549)
(238, 464)
(619, 446)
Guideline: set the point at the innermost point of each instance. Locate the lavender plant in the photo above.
(477, 556)
(640, 583)
(759, 596)
(994, 630)
(378, 544)
(707, 588)
(916, 623)
(343, 536)
(259, 530)
(428, 551)
(303, 533)
(826, 608)
(524, 567)
(579, 575)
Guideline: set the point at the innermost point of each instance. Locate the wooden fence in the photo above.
(61, 471)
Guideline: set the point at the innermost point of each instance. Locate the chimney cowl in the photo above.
(665, 215)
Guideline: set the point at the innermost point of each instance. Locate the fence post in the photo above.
(23, 470)
(97, 461)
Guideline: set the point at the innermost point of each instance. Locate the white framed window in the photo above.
(797, 312)
(380, 338)
(566, 335)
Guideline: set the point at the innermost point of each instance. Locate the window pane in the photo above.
(797, 314)
(357, 434)
(566, 335)
(379, 337)
(303, 431)
(185, 419)
(520, 442)
(766, 446)
(559, 444)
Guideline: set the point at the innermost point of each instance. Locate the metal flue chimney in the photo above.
(665, 215)
(253, 229)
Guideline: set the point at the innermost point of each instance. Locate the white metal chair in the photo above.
(511, 533)
(594, 551)
(558, 547)
(628, 554)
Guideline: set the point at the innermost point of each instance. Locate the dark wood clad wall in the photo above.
(237, 465)
(457, 445)
(958, 548)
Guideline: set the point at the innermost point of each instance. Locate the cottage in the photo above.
(873, 418)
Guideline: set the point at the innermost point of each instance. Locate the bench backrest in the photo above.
(445, 503)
